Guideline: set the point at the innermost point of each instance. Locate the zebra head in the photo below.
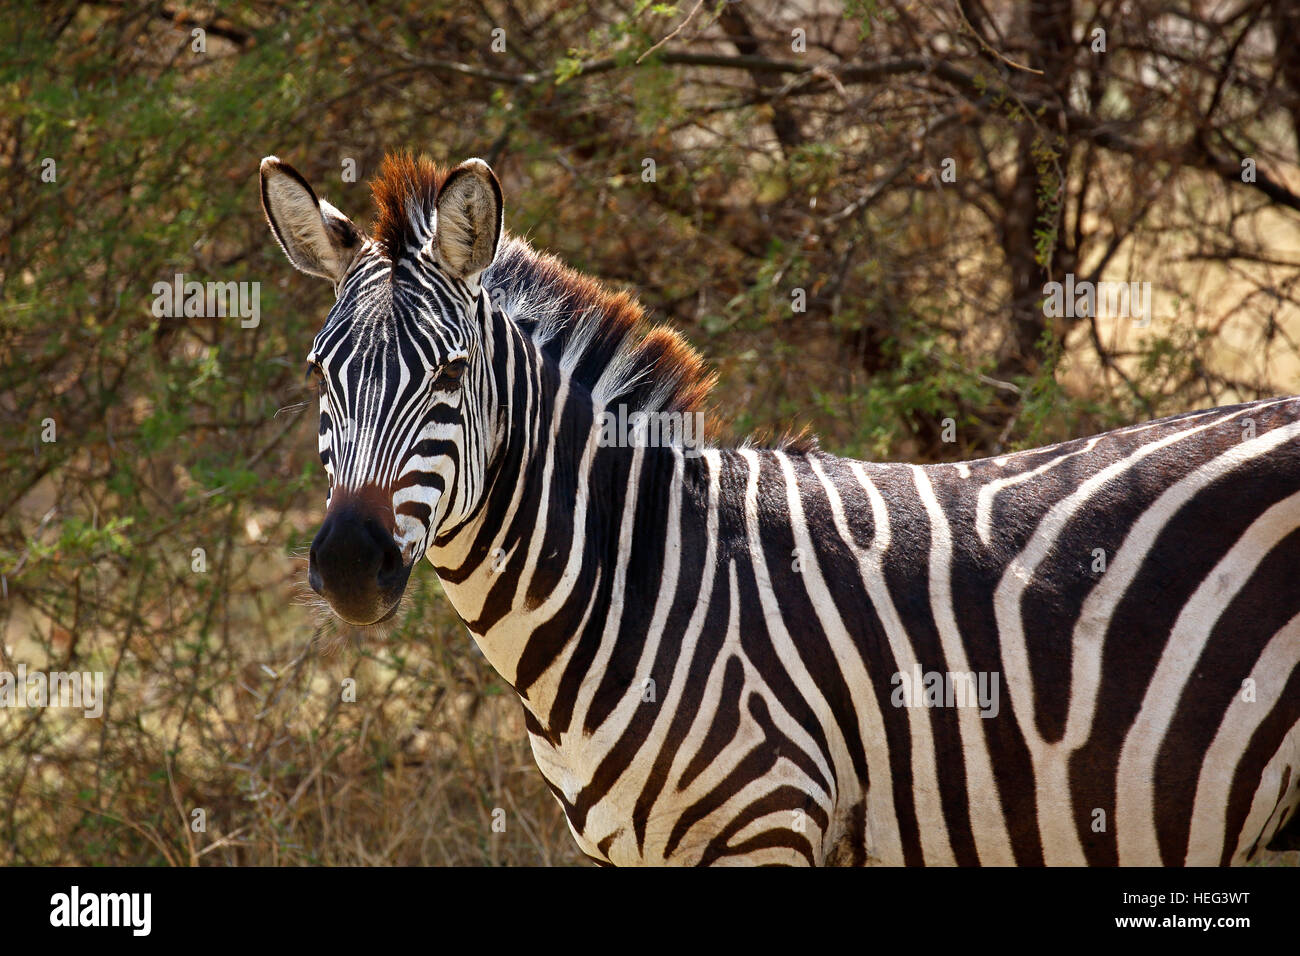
(405, 387)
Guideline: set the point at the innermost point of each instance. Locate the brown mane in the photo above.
(404, 192)
(601, 335)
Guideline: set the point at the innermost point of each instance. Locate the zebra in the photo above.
(761, 653)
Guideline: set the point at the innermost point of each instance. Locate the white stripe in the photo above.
(988, 825)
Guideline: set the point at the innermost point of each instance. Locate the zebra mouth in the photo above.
(387, 617)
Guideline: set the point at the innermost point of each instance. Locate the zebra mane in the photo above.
(792, 442)
(404, 193)
(601, 338)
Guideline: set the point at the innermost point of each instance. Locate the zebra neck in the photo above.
(538, 574)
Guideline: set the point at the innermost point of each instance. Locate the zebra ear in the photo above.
(470, 219)
(317, 238)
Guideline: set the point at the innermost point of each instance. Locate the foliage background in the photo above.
(777, 168)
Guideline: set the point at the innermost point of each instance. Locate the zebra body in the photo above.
(1084, 654)
(790, 673)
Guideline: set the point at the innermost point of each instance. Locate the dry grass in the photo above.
(256, 727)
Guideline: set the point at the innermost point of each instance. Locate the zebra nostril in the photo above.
(390, 556)
(313, 575)
(392, 563)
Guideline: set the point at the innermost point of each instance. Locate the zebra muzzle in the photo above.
(357, 567)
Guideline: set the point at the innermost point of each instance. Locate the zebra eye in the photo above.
(315, 375)
(449, 375)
